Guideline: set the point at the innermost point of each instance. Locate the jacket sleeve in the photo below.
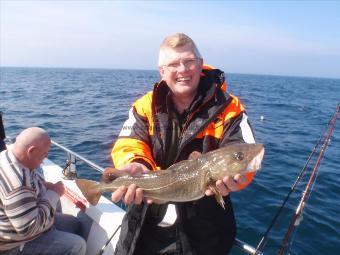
(133, 143)
(237, 129)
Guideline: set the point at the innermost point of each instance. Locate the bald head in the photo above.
(32, 136)
(31, 146)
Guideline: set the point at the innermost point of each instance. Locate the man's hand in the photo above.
(130, 194)
(154, 201)
(228, 184)
(58, 187)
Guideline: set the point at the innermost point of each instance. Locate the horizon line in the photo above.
(140, 69)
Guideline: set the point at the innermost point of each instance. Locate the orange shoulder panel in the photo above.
(126, 150)
(215, 128)
(143, 108)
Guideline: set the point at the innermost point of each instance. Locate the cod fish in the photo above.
(186, 180)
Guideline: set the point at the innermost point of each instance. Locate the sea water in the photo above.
(84, 109)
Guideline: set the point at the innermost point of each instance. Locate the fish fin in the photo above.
(110, 174)
(218, 196)
(89, 190)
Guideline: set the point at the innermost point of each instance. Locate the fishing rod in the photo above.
(265, 237)
(311, 180)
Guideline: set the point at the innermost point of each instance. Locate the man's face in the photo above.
(181, 71)
(37, 155)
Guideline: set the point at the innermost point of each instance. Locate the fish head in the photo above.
(236, 159)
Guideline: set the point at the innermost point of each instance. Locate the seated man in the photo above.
(28, 203)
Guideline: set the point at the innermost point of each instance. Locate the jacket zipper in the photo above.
(193, 136)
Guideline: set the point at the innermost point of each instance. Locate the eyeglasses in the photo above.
(189, 63)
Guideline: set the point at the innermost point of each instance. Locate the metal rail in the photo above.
(77, 156)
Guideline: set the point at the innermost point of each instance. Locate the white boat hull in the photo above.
(98, 222)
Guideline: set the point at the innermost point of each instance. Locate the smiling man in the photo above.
(187, 111)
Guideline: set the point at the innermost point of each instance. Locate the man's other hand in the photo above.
(228, 184)
(130, 194)
(58, 187)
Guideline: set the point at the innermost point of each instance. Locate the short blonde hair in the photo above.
(174, 41)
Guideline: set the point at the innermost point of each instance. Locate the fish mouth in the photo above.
(255, 163)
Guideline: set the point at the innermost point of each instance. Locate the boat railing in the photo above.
(70, 170)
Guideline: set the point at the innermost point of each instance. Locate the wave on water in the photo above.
(84, 109)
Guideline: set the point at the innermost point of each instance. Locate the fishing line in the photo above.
(299, 219)
(101, 251)
(289, 246)
(264, 239)
(324, 138)
(302, 203)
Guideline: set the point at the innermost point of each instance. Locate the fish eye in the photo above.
(239, 156)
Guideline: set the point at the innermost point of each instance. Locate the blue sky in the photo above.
(300, 38)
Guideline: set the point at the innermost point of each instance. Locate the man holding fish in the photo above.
(187, 112)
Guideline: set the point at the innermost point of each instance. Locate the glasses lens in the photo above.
(188, 63)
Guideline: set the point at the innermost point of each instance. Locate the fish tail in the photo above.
(89, 190)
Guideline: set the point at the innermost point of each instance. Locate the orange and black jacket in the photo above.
(214, 119)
